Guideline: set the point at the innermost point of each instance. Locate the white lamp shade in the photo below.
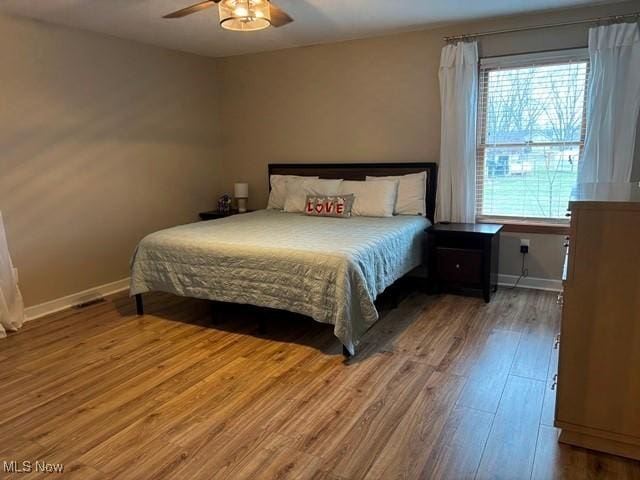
(241, 190)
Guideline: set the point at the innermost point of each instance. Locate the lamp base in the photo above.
(242, 205)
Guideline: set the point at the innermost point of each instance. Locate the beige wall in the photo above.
(370, 100)
(101, 142)
(104, 140)
(545, 259)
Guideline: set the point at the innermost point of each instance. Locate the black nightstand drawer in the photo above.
(457, 265)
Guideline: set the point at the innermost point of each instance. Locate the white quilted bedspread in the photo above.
(330, 269)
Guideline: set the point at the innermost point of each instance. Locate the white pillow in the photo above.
(372, 199)
(298, 191)
(412, 190)
(279, 186)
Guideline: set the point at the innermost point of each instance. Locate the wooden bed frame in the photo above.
(352, 171)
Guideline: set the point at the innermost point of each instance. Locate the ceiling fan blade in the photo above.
(278, 16)
(192, 9)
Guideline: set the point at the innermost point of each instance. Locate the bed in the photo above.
(330, 269)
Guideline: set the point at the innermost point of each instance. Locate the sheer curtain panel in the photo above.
(11, 306)
(459, 100)
(613, 103)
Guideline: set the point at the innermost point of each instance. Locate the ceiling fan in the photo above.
(241, 15)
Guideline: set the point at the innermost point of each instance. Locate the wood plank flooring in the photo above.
(443, 387)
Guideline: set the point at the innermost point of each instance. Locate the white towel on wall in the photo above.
(11, 304)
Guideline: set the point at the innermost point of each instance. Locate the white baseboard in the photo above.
(59, 304)
(53, 306)
(531, 282)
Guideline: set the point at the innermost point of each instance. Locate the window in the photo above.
(531, 124)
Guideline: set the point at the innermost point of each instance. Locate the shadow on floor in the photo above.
(268, 323)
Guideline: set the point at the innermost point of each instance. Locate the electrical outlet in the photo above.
(524, 245)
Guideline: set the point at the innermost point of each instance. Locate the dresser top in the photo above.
(606, 192)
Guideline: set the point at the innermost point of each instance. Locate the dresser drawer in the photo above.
(457, 265)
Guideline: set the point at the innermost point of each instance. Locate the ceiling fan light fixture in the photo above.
(244, 15)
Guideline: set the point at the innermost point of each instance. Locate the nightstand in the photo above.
(214, 214)
(464, 256)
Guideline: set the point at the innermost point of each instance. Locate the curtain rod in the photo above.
(610, 19)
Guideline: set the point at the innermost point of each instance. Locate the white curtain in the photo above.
(11, 306)
(458, 75)
(613, 103)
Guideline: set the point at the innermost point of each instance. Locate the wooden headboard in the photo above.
(358, 171)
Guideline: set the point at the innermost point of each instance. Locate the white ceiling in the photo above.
(316, 21)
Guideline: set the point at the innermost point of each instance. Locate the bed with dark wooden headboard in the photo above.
(329, 269)
(359, 171)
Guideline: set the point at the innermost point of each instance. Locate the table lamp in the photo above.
(241, 193)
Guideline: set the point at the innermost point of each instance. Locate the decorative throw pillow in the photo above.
(372, 199)
(329, 206)
(412, 189)
(297, 194)
(280, 184)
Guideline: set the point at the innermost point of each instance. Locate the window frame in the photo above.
(488, 64)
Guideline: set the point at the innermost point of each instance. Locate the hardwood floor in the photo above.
(443, 387)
